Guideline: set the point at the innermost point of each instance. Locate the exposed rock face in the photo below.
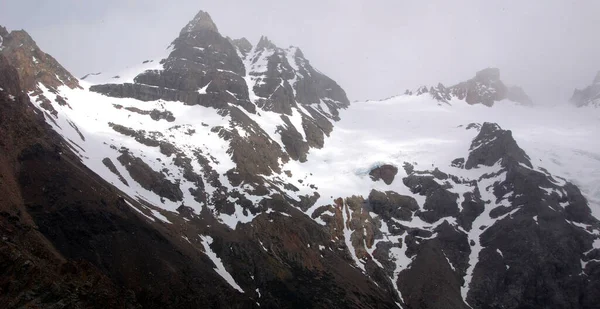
(589, 96)
(492, 145)
(150, 179)
(33, 65)
(384, 172)
(486, 243)
(205, 68)
(206, 197)
(70, 239)
(202, 21)
(392, 205)
(485, 88)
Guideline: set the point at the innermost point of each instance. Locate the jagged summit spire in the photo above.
(243, 45)
(202, 21)
(265, 43)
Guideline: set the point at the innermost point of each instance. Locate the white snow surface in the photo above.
(219, 267)
(409, 128)
(128, 74)
(416, 129)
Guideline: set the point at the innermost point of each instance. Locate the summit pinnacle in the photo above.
(202, 21)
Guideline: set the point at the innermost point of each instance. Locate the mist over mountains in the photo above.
(233, 173)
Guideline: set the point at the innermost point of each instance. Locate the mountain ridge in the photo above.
(485, 88)
(589, 96)
(248, 165)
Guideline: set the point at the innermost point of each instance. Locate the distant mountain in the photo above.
(227, 174)
(589, 96)
(485, 88)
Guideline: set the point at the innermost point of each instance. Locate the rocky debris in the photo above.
(385, 172)
(589, 96)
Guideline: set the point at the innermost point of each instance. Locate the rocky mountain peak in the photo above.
(207, 69)
(33, 64)
(298, 53)
(494, 144)
(188, 177)
(265, 43)
(485, 88)
(202, 21)
(488, 75)
(243, 45)
(589, 96)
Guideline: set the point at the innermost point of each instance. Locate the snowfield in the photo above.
(407, 128)
(415, 129)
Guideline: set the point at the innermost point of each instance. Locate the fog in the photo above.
(373, 49)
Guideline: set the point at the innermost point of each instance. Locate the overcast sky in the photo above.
(373, 49)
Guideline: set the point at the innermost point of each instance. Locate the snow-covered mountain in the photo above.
(257, 170)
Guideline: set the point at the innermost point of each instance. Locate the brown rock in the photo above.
(384, 172)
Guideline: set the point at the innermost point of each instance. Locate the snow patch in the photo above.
(219, 267)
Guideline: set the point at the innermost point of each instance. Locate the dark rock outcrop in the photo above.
(492, 145)
(205, 68)
(69, 239)
(485, 88)
(589, 96)
(32, 64)
(532, 234)
(510, 236)
(392, 205)
(385, 172)
(150, 179)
